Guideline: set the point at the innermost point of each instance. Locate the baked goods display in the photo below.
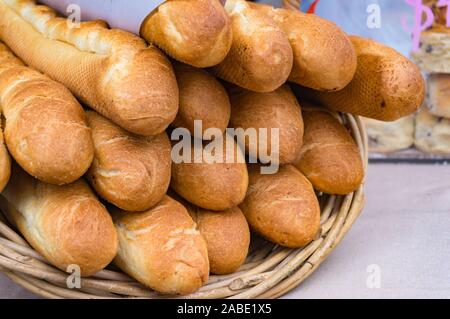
(386, 137)
(423, 135)
(123, 180)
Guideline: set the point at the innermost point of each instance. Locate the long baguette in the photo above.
(66, 224)
(46, 130)
(110, 70)
(5, 163)
(196, 32)
(132, 172)
(386, 86)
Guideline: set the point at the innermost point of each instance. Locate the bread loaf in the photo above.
(130, 171)
(260, 58)
(385, 137)
(324, 58)
(432, 133)
(227, 237)
(196, 32)
(202, 98)
(276, 110)
(282, 207)
(330, 158)
(386, 86)
(65, 224)
(5, 163)
(216, 182)
(438, 95)
(162, 248)
(45, 127)
(110, 70)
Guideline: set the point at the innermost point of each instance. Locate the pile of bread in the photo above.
(429, 129)
(89, 185)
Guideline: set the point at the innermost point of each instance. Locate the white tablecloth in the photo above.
(402, 238)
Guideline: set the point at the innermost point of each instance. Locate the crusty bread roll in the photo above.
(110, 70)
(438, 95)
(386, 137)
(260, 58)
(282, 207)
(432, 133)
(227, 237)
(196, 32)
(330, 158)
(45, 128)
(202, 98)
(276, 110)
(130, 171)
(324, 58)
(5, 163)
(66, 224)
(386, 86)
(162, 248)
(216, 182)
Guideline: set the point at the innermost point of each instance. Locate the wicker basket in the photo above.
(269, 272)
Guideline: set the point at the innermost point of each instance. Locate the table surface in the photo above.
(398, 248)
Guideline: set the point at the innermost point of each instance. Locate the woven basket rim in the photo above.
(270, 271)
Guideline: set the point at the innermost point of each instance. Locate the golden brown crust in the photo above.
(130, 171)
(213, 186)
(111, 70)
(5, 163)
(227, 236)
(386, 86)
(275, 110)
(162, 248)
(46, 130)
(260, 58)
(66, 224)
(324, 58)
(282, 207)
(330, 158)
(203, 98)
(196, 32)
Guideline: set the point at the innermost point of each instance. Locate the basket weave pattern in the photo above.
(269, 271)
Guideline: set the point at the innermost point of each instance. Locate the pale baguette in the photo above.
(45, 128)
(130, 171)
(196, 32)
(162, 248)
(260, 58)
(65, 224)
(110, 70)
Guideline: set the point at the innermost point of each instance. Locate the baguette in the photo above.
(282, 207)
(46, 129)
(196, 32)
(65, 224)
(386, 86)
(330, 158)
(162, 248)
(260, 58)
(5, 163)
(275, 110)
(227, 237)
(130, 171)
(202, 98)
(324, 58)
(217, 183)
(110, 70)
